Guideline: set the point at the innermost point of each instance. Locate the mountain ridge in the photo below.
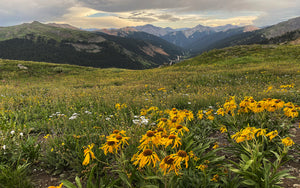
(44, 42)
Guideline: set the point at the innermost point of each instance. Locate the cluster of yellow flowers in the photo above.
(115, 141)
(288, 86)
(251, 133)
(270, 105)
(153, 110)
(287, 141)
(228, 107)
(208, 114)
(168, 133)
(119, 106)
(250, 105)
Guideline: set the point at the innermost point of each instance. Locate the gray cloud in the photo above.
(19, 11)
(168, 17)
(145, 16)
(268, 11)
(184, 5)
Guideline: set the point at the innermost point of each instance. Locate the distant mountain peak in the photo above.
(65, 26)
(249, 28)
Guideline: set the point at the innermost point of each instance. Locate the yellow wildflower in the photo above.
(60, 186)
(172, 139)
(168, 163)
(88, 154)
(193, 156)
(215, 178)
(287, 141)
(221, 111)
(216, 145)
(202, 167)
(47, 136)
(111, 146)
(223, 129)
(149, 139)
(146, 157)
(179, 157)
(272, 134)
(210, 117)
(179, 129)
(200, 114)
(261, 132)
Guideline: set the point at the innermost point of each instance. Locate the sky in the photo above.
(163, 13)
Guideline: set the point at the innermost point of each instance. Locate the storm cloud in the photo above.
(135, 12)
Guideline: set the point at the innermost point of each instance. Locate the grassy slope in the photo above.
(46, 31)
(246, 70)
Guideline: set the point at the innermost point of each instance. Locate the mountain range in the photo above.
(203, 38)
(138, 47)
(66, 44)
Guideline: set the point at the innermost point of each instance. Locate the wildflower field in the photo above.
(227, 118)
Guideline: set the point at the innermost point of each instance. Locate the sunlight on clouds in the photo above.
(241, 20)
(85, 18)
(90, 18)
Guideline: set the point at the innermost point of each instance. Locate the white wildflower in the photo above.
(87, 112)
(136, 121)
(12, 132)
(73, 117)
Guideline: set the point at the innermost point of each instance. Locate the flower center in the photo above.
(150, 133)
(164, 119)
(179, 127)
(182, 153)
(160, 129)
(116, 131)
(119, 137)
(111, 143)
(147, 152)
(168, 160)
(172, 137)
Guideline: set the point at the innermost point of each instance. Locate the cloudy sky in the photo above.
(163, 13)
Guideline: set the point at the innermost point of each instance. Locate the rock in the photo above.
(22, 66)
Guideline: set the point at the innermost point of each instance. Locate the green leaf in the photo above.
(150, 186)
(77, 180)
(276, 154)
(249, 182)
(247, 165)
(68, 184)
(152, 178)
(244, 157)
(124, 178)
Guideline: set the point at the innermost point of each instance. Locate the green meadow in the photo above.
(54, 117)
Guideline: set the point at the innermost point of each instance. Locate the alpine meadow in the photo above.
(226, 118)
(149, 94)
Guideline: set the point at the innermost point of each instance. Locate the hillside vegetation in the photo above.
(57, 120)
(49, 43)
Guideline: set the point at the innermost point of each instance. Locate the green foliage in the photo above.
(15, 176)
